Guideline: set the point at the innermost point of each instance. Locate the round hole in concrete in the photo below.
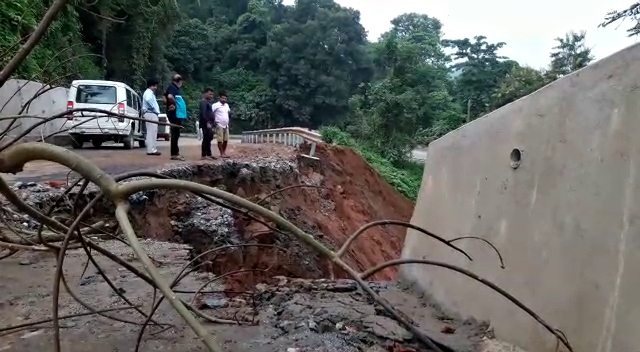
(516, 158)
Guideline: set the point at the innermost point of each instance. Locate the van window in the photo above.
(136, 102)
(129, 99)
(95, 94)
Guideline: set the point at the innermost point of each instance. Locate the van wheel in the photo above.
(128, 142)
(97, 143)
(142, 143)
(76, 143)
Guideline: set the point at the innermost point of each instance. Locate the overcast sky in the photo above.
(528, 27)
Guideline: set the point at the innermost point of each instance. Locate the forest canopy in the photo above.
(309, 64)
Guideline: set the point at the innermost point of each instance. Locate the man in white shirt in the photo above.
(150, 111)
(221, 113)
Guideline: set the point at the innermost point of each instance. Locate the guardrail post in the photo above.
(312, 152)
(313, 149)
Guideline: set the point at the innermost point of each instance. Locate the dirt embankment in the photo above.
(345, 194)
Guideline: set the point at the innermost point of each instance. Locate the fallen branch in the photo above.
(14, 158)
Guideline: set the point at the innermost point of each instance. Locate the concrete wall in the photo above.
(15, 93)
(567, 220)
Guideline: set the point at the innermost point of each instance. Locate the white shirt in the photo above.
(221, 113)
(149, 102)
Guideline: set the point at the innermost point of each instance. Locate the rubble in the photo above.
(283, 300)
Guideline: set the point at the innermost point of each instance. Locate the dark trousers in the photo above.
(207, 137)
(175, 134)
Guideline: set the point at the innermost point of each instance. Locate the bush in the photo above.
(405, 178)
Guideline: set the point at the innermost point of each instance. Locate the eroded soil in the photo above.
(311, 315)
(292, 315)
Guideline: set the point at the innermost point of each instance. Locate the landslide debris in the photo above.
(329, 199)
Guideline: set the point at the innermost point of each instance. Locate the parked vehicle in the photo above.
(163, 130)
(98, 128)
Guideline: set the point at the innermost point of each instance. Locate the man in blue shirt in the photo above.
(176, 113)
(150, 111)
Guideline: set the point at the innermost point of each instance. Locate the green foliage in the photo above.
(632, 12)
(61, 56)
(520, 81)
(480, 70)
(405, 178)
(571, 54)
(307, 64)
(395, 113)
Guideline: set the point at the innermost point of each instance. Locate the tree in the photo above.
(314, 61)
(424, 32)
(479, 71)
(632, 13)
(411, 92)
(307, 64)
(519, 82)
(569, 55)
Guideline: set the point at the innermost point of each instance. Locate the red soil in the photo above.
(354, 195)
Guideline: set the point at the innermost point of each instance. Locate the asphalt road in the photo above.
(114, 159)
(419, 154)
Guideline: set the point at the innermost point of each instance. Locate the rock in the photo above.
(286, 326)
(282, 281)
(313, 326)
(32, 334)
(343, 285)
(213, 303)
(448, 329)
(386, 328)
(56, 184)
(88, 280)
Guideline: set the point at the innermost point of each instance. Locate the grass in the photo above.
(405, 178)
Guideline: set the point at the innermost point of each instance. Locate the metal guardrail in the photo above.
(290, 136)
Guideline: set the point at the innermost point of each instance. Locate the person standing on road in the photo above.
(176, 113)
(221, 112)
(150, 112)
(207, 123)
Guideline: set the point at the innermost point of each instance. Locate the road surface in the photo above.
(419, 154)
(113, 159)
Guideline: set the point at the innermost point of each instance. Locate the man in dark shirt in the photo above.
(176, 114)
(207, 123)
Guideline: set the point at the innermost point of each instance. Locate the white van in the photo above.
(116, 97)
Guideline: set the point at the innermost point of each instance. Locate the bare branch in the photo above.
(470, 274)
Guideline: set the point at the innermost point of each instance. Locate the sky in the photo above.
(528, 27)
